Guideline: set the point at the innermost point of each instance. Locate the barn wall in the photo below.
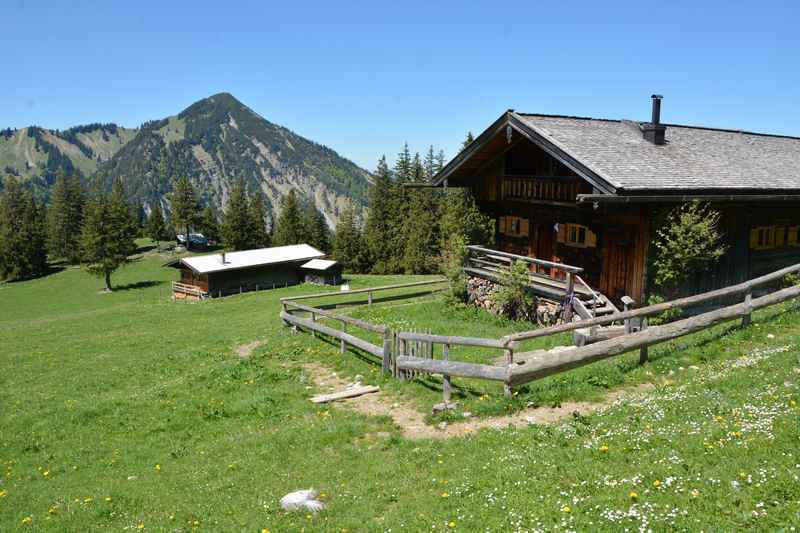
(263, 277)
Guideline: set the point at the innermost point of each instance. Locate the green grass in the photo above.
(97, 389)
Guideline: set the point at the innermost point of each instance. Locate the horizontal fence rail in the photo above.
(526, 259)
(369, 290)
(363, 324)
(542, 363)
(733, 290)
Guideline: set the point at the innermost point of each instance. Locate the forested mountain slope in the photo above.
(213, 142)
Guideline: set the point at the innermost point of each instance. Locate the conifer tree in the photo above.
(156, 227)
(348, 245)
(461, 217)
(420, 230)
(316, 229)
(185, 207)
(259, 238)
(64, 218)
(208, 224)
(22, 234)
(378, 227)
(108, 235)
(430, 164)
(236, 220)
(289, 225)
(468, 140)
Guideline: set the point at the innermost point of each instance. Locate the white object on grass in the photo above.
(300, 500)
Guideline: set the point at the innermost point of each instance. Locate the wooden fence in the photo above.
(384, 351)
(406, 353)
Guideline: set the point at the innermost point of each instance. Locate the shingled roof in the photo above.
(692, 158)
(615, 158)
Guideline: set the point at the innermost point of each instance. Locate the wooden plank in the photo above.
(349, 339)
(347, 393)
(449, 339)
(658, 308)
(542, 363)
(453, 368)
(361, 291)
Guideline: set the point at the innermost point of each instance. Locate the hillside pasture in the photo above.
(128, 411)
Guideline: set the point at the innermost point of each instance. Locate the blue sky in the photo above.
(363, 77)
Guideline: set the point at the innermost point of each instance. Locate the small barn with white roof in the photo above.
(233, 272)
(323, 271)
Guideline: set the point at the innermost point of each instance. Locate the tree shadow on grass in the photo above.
(137, 285)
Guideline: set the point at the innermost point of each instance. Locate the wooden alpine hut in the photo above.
(234, 272)
(586, 192)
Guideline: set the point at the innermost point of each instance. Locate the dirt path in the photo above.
(412, 422)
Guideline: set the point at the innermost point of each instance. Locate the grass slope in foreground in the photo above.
(125, 411)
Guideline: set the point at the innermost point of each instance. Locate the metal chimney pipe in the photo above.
(656, 119)
(223, 258)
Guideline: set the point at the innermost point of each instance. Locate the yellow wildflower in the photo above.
(451, 524)
(140, 525)
(633, 496)
(566, 509)
(52, 510)
(3, 493)
(265, 530)
(27, 520)
(108, 499)
(88, 499)
(695, 493)
(46, 473)
(604, 448)
(445, 495)
(158, 467)
(656, 483)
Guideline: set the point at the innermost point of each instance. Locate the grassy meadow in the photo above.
(126, 411)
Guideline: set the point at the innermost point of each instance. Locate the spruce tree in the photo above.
(348, 245)
(378, 227)
(22, 234)
(185, 207)
(316, 229)
(289, 225)
(236, 220)
(468, 140)
(109, 231)
(420, 229)
(208, 224)
(461, 217)
(156, 227)
(259, 238)
(430, 164)
(64, 218)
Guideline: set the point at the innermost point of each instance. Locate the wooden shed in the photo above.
(224, 273)
(323, 272)
(588, 192)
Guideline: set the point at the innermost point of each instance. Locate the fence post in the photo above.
(387, 352)
(403, 351)
(643, 350)
(627, 303)
(342, 347)
(369, 298)
(283, 307)
(313, 319)
(748, 296)
(445, 377)
(509, 356)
